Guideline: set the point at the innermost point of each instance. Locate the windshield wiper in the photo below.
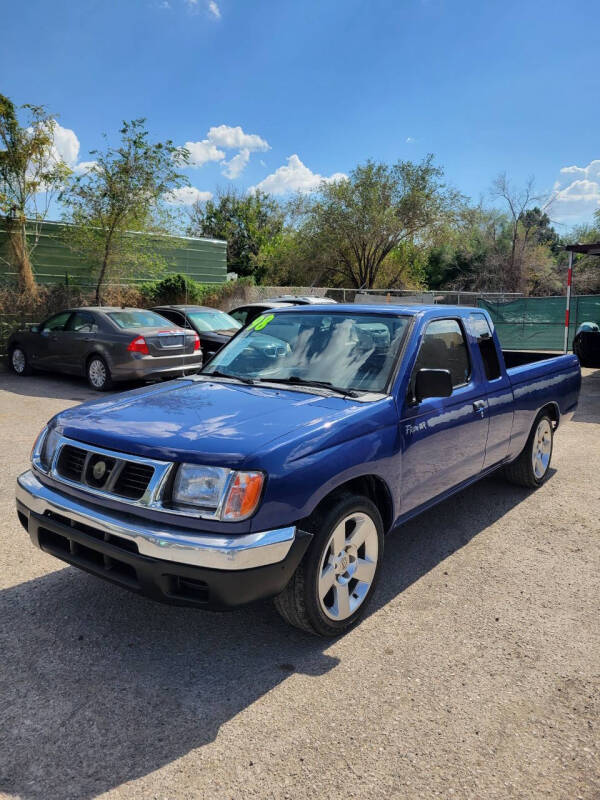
(296, 380)
(218, 374)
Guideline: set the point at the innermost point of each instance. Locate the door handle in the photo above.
(479, 407)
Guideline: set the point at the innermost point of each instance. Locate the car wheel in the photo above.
(19, 362)
(98, 374)
(530, 469)
(331, 589)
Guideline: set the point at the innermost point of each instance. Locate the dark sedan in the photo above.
(106, 345)
(214, 327)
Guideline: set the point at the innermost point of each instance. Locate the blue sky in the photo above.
(302, 89)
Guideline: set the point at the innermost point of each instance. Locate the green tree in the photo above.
(248, 222)
(31, 174)
(355, 224)
(116, 209)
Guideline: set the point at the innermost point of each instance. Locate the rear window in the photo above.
(138, 319)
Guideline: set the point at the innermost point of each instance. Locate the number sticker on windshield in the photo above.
(261, 322)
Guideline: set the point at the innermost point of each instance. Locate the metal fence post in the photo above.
(568, 307)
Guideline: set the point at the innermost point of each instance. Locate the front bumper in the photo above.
(166, 563)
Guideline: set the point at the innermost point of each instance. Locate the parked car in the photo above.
(214, 327)
(586, 344)
(106, 344)
(280, 477)
(248, 313)
(301, 300)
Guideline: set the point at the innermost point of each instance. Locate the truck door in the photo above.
(443, 439)
(499, 390)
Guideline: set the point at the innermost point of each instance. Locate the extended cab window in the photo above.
(444, 347)
(481, 330)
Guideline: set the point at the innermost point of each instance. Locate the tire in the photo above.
(530, 469)
(323, 597)
(19, 363)
(98, 374)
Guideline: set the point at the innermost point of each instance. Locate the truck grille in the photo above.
(113, 475)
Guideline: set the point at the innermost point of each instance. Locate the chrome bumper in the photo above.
(164, 542)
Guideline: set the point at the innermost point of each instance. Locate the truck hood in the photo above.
(202, 421)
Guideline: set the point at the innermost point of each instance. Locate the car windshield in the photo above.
(346, 351)
(213, 321)
(138, 319)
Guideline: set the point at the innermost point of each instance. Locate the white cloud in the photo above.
(203, 152)
(66, 144)
(576, 194)
(84, 167)
(234, 168)
(186, 196)
(214, 9)
(235, 138)
(294, 177)
(410, 140)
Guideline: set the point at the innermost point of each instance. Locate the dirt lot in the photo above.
(476, 675)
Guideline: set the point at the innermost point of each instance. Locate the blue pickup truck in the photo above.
(278, 470)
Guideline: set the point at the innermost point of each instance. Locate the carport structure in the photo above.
(591, 249)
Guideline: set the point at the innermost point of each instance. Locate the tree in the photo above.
(355, 224)
(248, 222)
(31, 174)
(116, 209)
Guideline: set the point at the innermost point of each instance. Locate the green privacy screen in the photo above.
(204, 260)
(538, 323)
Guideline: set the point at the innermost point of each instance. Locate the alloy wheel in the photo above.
(542, 449)
(348, 566)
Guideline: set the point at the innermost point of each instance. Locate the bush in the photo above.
(179, 288)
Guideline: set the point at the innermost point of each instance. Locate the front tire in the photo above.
(530, 469)
(330, 591)
(98, 374)
(19, 363)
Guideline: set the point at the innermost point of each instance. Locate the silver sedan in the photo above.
(106, 345)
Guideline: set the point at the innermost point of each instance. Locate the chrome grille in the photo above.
(108, 473)
(132, 480)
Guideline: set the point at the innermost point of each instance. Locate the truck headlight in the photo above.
(44, 448)
(228, 494)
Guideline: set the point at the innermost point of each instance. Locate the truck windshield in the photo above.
(349, 351)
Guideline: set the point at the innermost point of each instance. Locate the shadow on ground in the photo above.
(56, 387)
(101, 687)
(588, 409)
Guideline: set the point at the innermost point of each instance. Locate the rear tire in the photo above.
(530, 469)
(19, 363)
(334, 583)
(98, 374)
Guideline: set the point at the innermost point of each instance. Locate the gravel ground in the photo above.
(476, 674)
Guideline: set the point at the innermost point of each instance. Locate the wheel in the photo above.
(19, 362)
(330, 590)
(98, 374)
(531, 467)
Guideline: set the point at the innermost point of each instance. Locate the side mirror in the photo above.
(432, 383)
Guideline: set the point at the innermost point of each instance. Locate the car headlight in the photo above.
(44, 448)
(230, 495)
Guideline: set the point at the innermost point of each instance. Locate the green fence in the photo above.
(203, 260)
(538, 323)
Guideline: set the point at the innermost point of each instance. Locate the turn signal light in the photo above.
(243, 496)
(139, 345)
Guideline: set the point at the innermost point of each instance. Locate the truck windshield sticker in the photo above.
(261, 322)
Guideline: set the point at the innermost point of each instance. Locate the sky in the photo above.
(279, 94)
